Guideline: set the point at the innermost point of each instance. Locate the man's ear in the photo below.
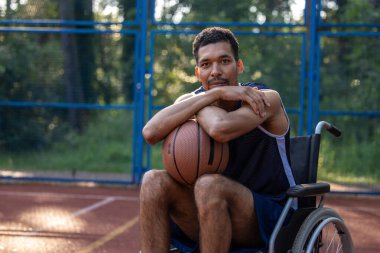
(196, 69)
(240, 66)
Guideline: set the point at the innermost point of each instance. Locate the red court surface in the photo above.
(65, 218)
(62, 219)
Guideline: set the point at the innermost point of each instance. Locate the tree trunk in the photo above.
(8, 10)
(71, 78)
(86, 51)
(128, 63)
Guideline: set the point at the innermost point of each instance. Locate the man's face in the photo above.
(217, 66)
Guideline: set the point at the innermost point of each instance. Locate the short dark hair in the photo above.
(213, 35)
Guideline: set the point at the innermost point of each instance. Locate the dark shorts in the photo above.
(268, 210)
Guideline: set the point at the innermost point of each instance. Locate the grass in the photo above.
(156, 158)
(349, 161)
(105, 146)
(341, 161)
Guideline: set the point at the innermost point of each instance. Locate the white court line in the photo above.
(92, 207)
(66, 195)
(104, 200)
(73, 215)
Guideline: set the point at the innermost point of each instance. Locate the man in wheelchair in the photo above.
(247, 208)
(240, 208)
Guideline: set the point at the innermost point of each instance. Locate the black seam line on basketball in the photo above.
(175, 162)
(199, 148)
(212, 151)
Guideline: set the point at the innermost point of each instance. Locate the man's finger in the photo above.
(260, 101)
(253, 105)
(264, 98)
(259, 105)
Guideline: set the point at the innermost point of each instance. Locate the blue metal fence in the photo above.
(319, 112)
(147, 29)
(299, 112)
(64, 27)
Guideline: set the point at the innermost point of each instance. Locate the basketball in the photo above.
(188, 153)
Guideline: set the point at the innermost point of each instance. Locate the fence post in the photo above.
(140, 107)
(311, 35)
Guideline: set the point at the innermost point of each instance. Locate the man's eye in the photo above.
(225, 61)
(204, 64)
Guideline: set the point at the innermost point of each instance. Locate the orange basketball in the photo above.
(188, 152)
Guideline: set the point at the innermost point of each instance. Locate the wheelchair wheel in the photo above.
(323, 231)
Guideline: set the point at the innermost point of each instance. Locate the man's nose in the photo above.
(215, 70)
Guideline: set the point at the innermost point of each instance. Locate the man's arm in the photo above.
(163, 122)
(224, 126)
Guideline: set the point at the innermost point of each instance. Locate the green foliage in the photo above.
(263, 57)
(350, 161)
(32, 68)
(275, 61)
(352, 86)
(105, 146)
(228, 11)
(28, 74)
(33, 9)
(353, 157)
(156, 157)
(173, 75)
(351, 11)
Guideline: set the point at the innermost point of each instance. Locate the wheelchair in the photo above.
(312, 227)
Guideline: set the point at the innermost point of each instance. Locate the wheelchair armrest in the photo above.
(306, 190)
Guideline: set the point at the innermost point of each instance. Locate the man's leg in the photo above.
(160, 198)
(226, 213)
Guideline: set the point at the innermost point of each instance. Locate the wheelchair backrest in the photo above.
(304, 152)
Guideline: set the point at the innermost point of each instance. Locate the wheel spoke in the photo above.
(339, 248)
(332, 242)
(323, 231)
(326, 238)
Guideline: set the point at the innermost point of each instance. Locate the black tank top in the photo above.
(260, 160)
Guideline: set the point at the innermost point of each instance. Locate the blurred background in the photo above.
(79, 79)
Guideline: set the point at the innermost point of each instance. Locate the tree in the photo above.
(25, 60)
(263, 56)
(128, 9)
(86, 55)
(72, 75)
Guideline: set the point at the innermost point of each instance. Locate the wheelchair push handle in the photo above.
(329, 127)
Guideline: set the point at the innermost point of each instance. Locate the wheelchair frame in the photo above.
(310, 223)
(310, 237)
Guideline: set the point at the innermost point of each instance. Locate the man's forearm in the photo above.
(212, 119)
(164, 121)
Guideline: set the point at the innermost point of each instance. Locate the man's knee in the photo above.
(154, 183)
(209, 183)
(209, 194)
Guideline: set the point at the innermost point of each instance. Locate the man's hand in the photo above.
(250, 95)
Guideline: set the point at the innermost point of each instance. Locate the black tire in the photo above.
(315, 234)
